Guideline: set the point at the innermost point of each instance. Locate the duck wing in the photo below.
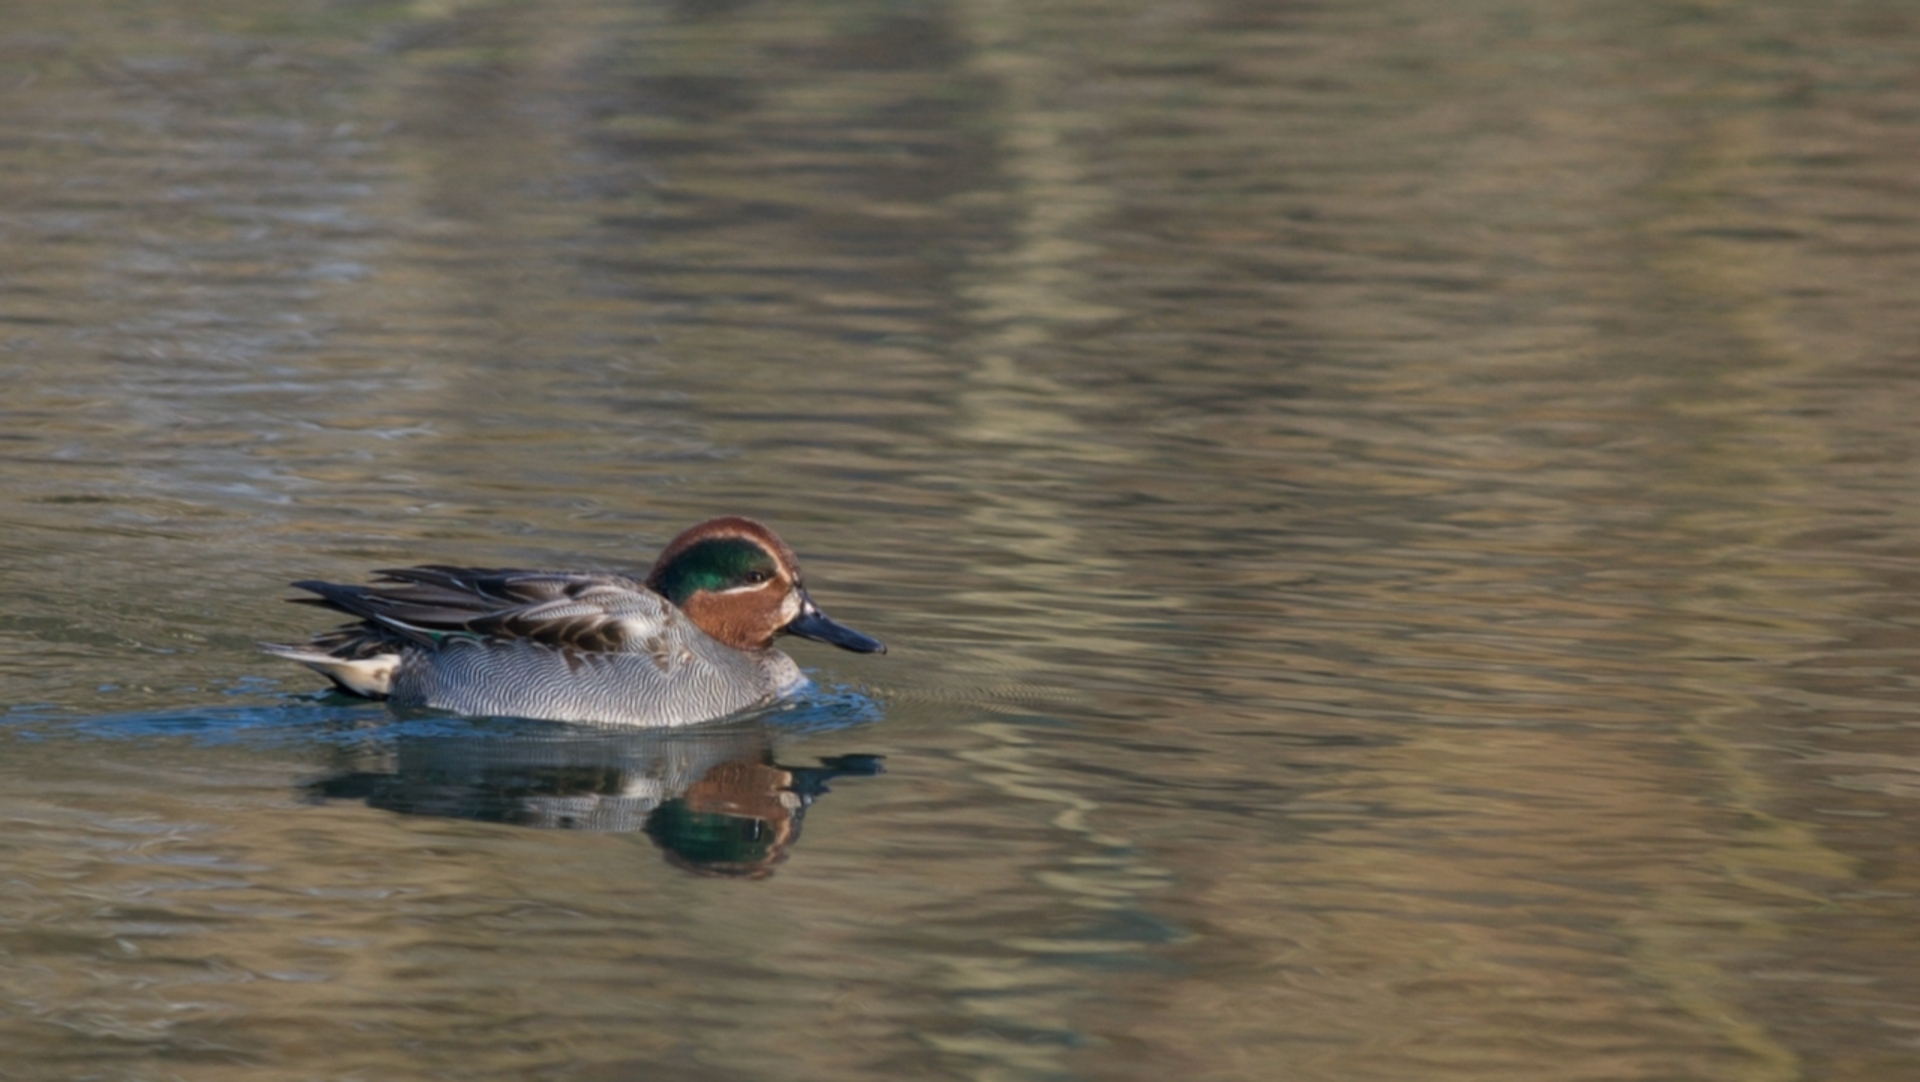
(585, 612)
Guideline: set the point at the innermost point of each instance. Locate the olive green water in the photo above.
(1397, 525)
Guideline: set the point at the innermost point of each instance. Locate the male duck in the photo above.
(693, 642)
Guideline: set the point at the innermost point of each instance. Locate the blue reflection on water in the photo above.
(716, 799)
(327, 717)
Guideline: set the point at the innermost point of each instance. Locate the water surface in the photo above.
(1395, 525)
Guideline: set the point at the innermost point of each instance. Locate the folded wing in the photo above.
(590, 613)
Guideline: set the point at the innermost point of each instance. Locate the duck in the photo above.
(691, 641)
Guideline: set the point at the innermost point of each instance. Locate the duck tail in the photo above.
(364, 673)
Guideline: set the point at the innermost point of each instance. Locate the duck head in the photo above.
(741, 584)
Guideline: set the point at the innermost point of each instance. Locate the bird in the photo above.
(692, 641)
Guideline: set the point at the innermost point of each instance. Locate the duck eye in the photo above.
(757, 577)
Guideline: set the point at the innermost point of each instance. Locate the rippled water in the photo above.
(1397, 527)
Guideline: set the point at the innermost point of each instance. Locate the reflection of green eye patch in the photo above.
(720, 563)
(704, 838)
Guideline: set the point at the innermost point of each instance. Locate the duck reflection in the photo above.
(713, 800)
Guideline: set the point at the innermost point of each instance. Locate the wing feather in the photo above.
(584, 612)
